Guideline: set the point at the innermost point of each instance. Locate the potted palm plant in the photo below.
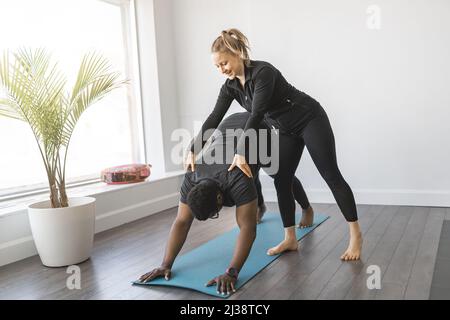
(34, 91)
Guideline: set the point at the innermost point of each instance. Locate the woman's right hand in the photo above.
(189, 161)
(155, 273)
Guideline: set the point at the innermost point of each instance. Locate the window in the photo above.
(108, 133)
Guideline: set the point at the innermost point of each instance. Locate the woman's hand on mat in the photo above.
(189, 161)
(155, 273)
(225, 283)
(240, 162)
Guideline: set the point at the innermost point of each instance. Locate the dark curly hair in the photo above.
(202, 199)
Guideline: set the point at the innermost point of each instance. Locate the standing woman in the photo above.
(262, 90)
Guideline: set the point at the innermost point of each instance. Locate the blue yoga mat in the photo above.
(195, 268)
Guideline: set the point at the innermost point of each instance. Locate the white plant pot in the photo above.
(63, 236)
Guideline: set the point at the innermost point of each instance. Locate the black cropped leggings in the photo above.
(319, 139)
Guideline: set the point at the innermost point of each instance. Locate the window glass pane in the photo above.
(67, 29)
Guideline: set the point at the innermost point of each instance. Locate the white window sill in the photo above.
(12, 206)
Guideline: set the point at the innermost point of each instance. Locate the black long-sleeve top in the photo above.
(264, 91)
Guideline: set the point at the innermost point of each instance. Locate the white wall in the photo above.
(158, 80)
(386, 91)
(167, 76)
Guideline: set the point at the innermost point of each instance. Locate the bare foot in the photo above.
(353, 251)
(285, 245)
(307, 218)
(260, 213)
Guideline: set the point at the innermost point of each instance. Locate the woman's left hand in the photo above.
(240, 162)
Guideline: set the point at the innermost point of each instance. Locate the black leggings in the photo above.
(297, 191)
(259, 190)
(319, 139)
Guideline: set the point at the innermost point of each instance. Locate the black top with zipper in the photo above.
(266, 94)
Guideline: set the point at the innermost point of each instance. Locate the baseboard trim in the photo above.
(377, 197)
(16, 250)
(127, 214)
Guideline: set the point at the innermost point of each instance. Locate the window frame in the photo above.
(135, 108)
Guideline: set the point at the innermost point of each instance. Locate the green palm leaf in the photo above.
(35, 93)
(94, 81)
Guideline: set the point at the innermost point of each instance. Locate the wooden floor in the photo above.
(402, 241)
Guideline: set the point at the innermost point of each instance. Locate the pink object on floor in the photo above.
(128, 173)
